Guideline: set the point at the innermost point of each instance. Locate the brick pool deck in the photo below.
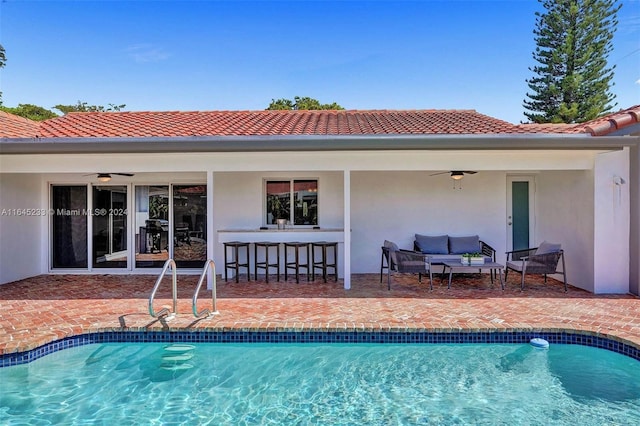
(46, 308)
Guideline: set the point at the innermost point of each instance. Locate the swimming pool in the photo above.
(321, 383)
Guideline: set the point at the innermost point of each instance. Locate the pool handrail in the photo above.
(209, 265)
(170, 263)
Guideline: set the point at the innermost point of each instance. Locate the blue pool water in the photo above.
(328, 384)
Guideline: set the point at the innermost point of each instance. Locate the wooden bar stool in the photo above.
(296, 264)
(266, 245)
(235, 263)
(323, 262)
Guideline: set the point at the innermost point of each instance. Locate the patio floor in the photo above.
(45, 308)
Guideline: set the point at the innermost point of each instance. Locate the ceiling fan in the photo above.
(106, 177)
(456, 174)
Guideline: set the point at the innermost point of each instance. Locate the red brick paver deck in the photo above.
(42, 309)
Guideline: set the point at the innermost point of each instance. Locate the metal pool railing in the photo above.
(170, 263)
(210, 265)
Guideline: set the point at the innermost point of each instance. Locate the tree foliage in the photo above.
(572, 79)
(84, 107)
(301, 103)
(38, 113)
(3, 61)
(3, 57)
(32, 112)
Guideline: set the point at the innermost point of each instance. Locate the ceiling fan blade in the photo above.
(439, 173)
(469, 172)
(129, 174)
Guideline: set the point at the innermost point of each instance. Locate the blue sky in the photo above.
(238, 55)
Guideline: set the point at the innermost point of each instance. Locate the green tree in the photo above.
(84, 107)
(301, 103)
(572, 79)
(3, 61)
(32, 112)
(3, 57)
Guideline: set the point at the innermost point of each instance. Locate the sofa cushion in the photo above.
(546, 247)
(461, 245)
(432, 245)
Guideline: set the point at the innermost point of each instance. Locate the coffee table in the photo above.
(457, 266)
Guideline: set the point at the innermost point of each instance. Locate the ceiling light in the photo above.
(457, 175)
(104, 177)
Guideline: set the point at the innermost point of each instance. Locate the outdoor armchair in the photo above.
(537, 260)
(404, 262)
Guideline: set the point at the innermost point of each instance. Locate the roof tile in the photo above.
(13, 126)
(287, 123)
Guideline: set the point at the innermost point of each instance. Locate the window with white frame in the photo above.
(292, 200)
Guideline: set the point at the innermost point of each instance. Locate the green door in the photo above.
(520, 215)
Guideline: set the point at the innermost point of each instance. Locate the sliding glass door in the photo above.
(190, 225)
(110, 227)
(69, 243)
(91, 229)
(152, 226)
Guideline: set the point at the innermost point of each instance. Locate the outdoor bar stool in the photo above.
(266, 245)
(323, 262)
(296, 263)
(234, 263)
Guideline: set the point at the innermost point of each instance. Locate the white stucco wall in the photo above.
(21, 234)
(397, 205)
(564, 214)
(612, 215)
(634, 231)
(238, 202)
(385, 203)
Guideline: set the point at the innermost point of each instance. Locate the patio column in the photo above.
(210, 231)
(347, 229)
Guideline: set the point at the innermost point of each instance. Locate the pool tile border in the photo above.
(242, 336)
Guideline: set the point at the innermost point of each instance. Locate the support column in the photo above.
(210, 230)
(347, 230)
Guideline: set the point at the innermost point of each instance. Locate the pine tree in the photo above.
(572, 81)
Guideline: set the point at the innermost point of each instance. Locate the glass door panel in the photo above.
(69, 243)
(190, 225)
(109, 226)
(152, 225)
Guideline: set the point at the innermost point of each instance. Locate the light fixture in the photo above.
(457, 175)
(104, 177)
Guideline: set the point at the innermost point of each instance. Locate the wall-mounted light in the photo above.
(104, 177)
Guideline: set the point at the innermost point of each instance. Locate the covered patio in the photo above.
(378, 175)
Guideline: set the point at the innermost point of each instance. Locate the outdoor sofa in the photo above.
(443, 248)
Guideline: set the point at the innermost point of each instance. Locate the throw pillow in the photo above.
(432, 245)
(462, 245)
(546, 247)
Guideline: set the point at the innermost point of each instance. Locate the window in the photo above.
(295, 200)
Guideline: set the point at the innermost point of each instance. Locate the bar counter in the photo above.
(281, 235)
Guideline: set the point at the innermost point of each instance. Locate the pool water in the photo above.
(327, 384)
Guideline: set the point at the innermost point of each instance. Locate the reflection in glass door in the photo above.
(69, 227)
(190, 225)
(152, 225)
(109, 226)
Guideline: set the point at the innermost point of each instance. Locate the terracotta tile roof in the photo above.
(599, 127)
(12, 126)
(288, 123)
(268, 123)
